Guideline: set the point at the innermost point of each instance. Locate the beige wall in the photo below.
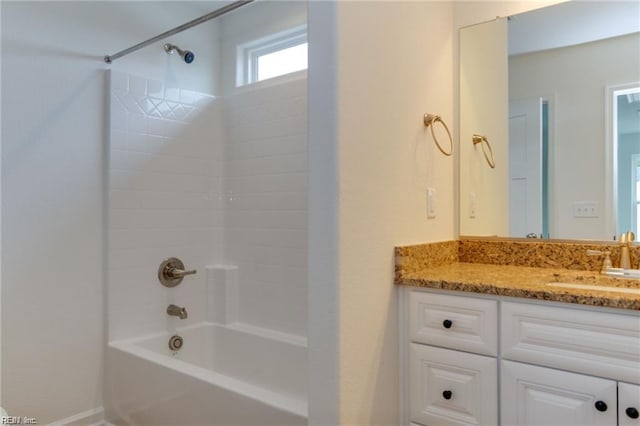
(371, 161)
(394, 64)
(483, 110)
(578, 143)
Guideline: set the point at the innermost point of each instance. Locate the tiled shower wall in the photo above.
(210, 182)
(164, 201)
(266, 183)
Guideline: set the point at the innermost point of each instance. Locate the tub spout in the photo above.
(177, 311)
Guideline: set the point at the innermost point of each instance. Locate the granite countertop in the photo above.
(517, 268)
(522, 281)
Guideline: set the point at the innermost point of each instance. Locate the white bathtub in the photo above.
(223, 376)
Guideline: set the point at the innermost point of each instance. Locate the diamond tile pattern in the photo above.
(163, 201)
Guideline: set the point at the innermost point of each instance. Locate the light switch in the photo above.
(431, 203)
(473, 205)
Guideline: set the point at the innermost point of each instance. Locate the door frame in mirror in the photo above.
(610, 154)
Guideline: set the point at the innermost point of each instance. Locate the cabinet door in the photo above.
(452, 388)
(628, 404)
(539, 396)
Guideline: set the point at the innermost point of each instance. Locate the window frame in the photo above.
(250, 52)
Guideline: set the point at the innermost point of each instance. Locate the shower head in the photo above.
(186, 55)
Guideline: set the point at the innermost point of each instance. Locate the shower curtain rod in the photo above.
(204, 18)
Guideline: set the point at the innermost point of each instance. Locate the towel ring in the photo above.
(478, 139)
(430, 119)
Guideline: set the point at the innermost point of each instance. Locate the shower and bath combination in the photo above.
(239, 355)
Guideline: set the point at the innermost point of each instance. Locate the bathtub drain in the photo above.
(175, 343)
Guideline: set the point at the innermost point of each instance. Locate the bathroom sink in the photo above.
(625, 290)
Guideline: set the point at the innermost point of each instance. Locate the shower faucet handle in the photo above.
(179, 273)
(172, 271)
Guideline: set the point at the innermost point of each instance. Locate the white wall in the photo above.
(0, 228)
(577, 77)
(53, 163)
(474, 12)
(323, 289)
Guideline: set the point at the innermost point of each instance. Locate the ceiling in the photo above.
(570, 23)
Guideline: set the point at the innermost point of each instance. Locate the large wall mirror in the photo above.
(555, 92)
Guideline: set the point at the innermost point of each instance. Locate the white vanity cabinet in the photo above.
(582, 359)
(452, 360)
(542, 364)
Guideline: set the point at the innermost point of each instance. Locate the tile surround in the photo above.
(213, 181)
(163, 200)
(266, 184)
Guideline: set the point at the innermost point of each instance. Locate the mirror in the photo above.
(556, 93)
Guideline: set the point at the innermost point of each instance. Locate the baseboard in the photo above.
(93, 417)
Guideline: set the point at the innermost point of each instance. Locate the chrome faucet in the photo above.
(625, 241)
(177, 311)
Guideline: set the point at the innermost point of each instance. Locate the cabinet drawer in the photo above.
(454, 322)
(452, 388)
(597, 343)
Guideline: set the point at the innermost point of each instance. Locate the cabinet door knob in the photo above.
(601, 406)
(447, 323)
(632, 412)
(447, 394)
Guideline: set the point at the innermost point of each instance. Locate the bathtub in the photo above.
(222, 376)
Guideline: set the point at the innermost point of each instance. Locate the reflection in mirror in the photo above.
(567, 123)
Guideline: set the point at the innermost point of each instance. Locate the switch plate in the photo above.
(586, 209)
(431, 203)
(473, 205)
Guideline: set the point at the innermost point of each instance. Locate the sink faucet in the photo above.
(606, 264)
(177, 311)
(625, 240)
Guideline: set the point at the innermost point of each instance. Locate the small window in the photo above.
(273, 56)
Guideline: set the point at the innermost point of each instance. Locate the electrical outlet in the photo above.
(431, 203)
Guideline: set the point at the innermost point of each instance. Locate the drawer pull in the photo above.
(601, 406)
(448, 394)
(447, 323)
(632, 412)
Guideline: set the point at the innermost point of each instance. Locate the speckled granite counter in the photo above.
(417, 266)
